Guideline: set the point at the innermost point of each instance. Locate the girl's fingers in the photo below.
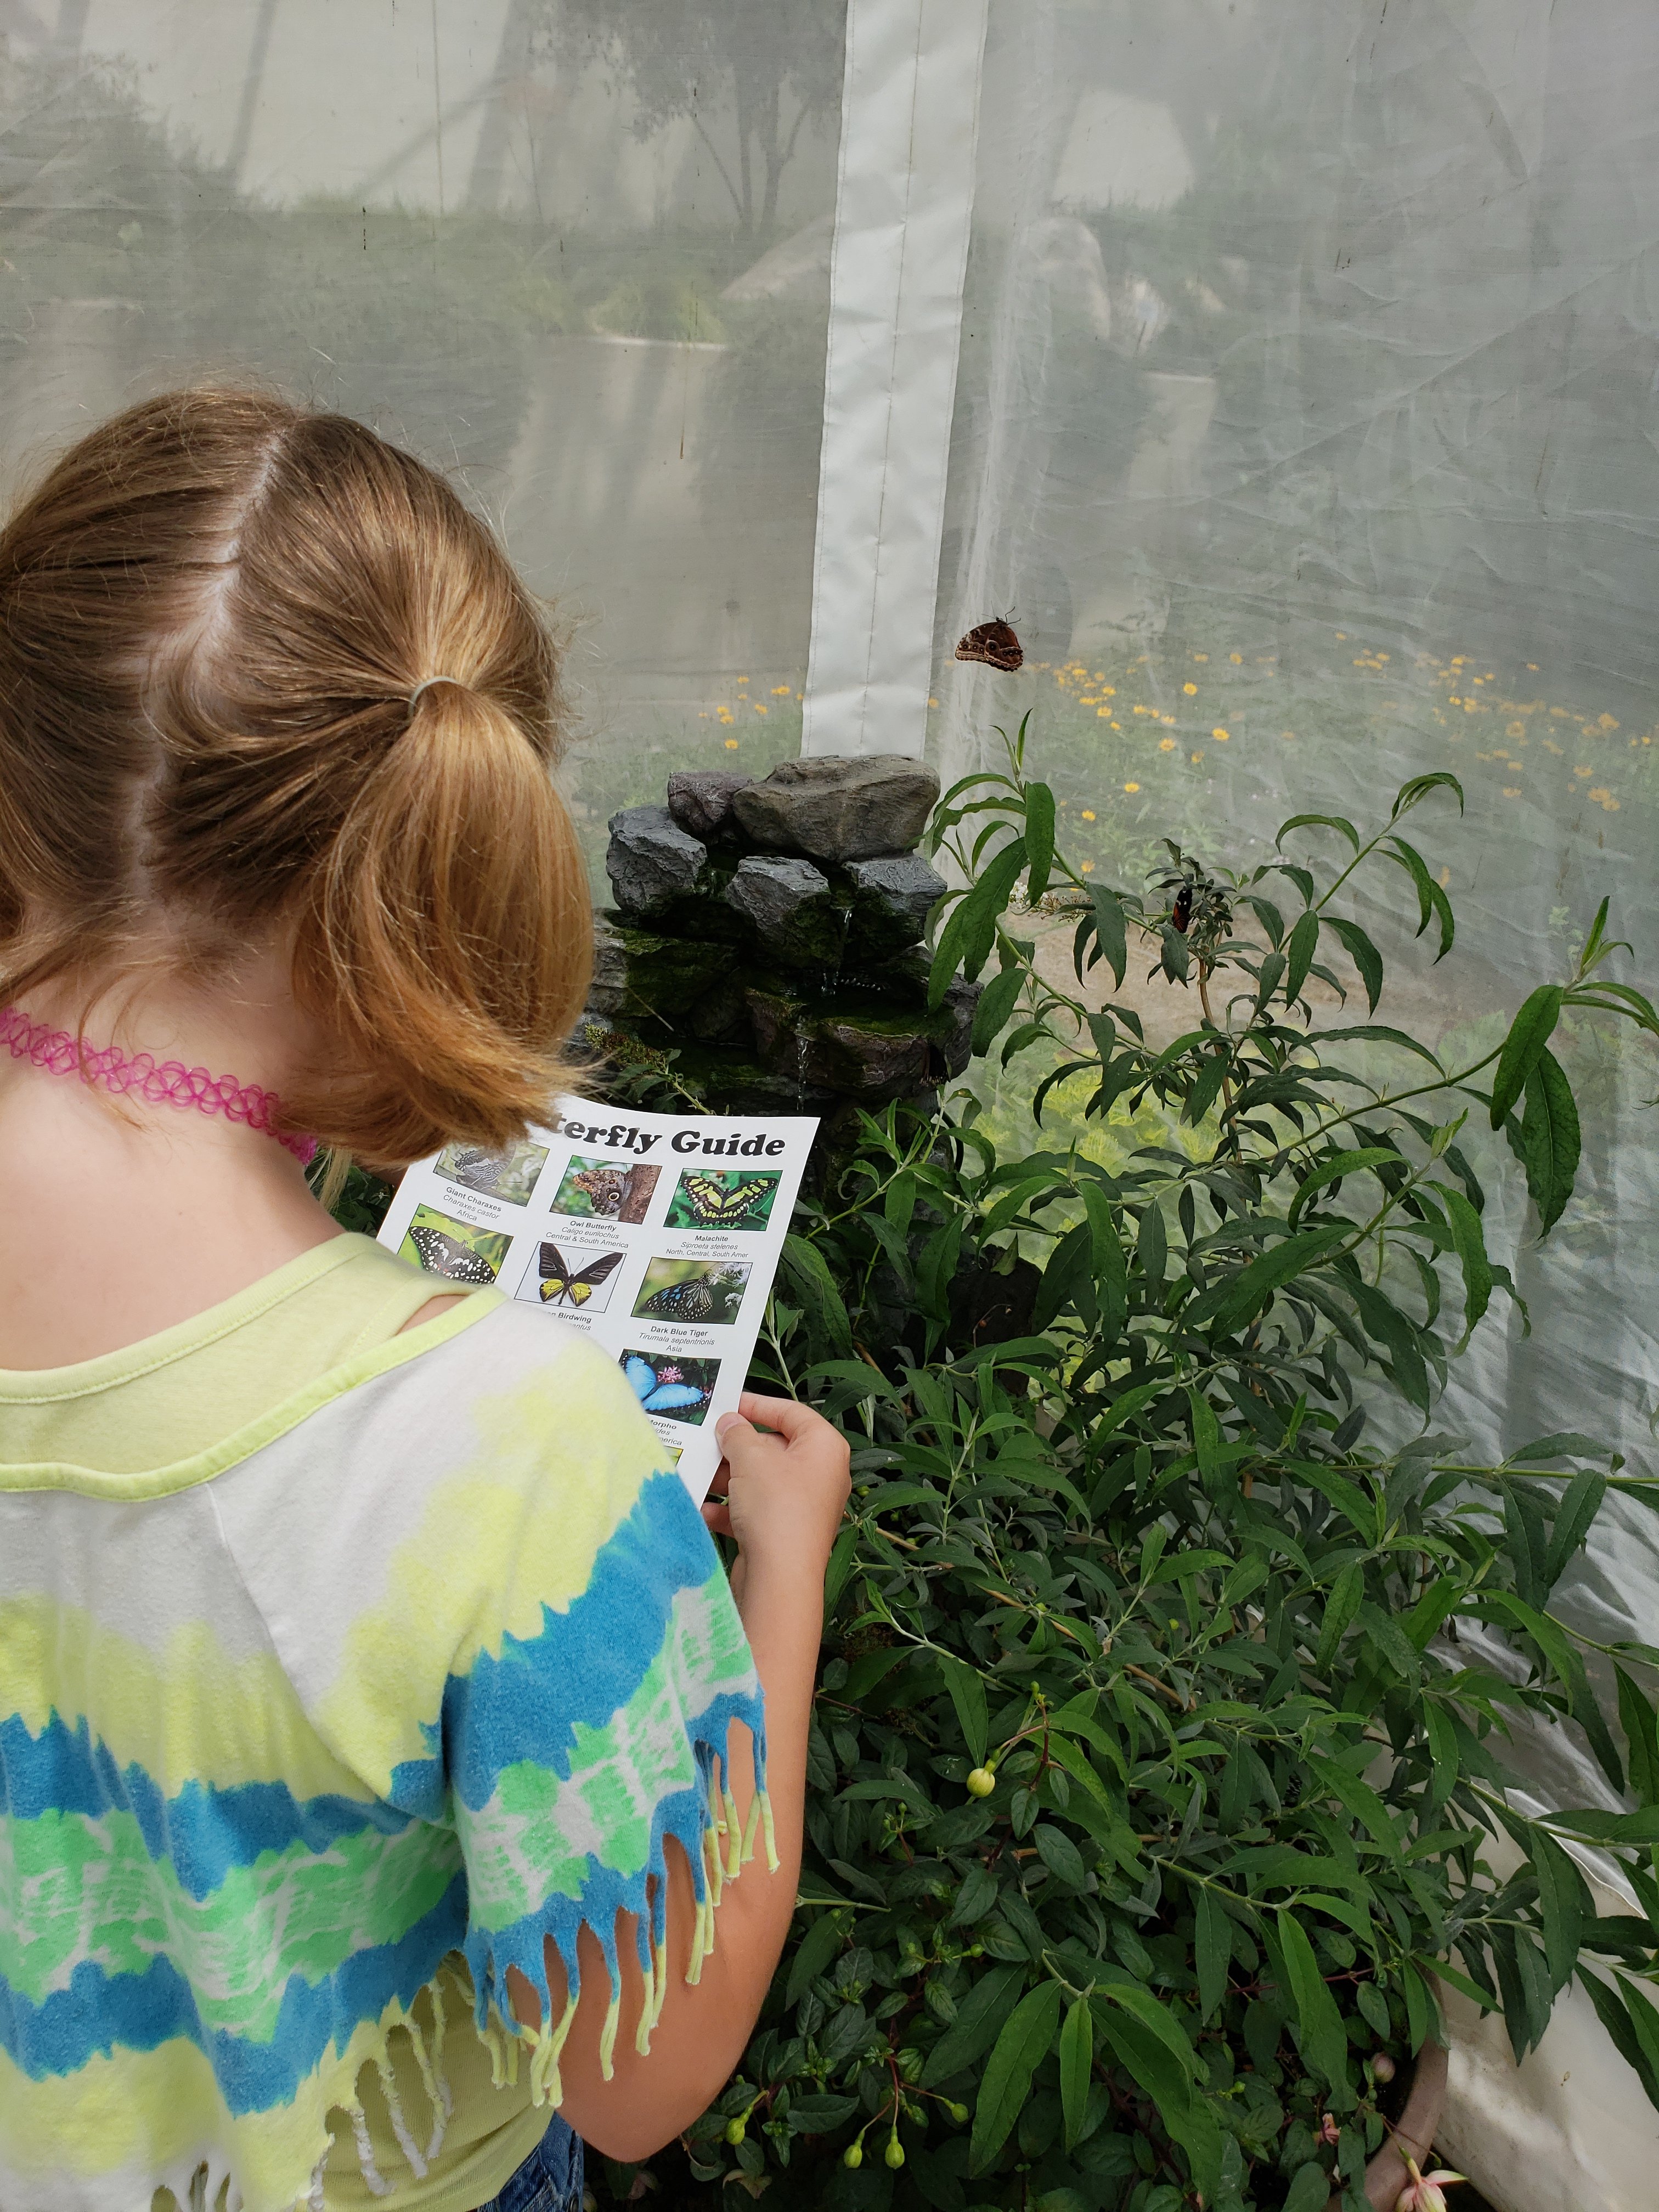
(717, 1518)
(787, 1416)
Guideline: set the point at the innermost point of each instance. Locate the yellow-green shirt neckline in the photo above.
(178, 1408)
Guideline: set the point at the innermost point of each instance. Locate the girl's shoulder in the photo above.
(458, 1494)
(491, 1400)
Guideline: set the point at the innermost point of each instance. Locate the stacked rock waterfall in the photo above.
(769, 931)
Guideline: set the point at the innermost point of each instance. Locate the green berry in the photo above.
(958, 2114)
(736, 2131)
(981, 1782)
(854, 2154)
(893, 2154)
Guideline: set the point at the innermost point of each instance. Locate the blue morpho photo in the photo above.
(661, 1390)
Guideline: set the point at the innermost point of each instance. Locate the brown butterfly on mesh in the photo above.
(995, 644)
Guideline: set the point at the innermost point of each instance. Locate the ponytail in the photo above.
(221, 728)
(447, 939)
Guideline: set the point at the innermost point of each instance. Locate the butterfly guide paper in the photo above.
(657, 1235)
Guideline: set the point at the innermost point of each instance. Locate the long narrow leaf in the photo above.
(1039, 839)
(1530, 1032)
(1020, 2049)
(1323, 2040)
(1214, 1952)
(968, 1696)
(1077, 2060)
(1363, 954)
(1470, 1242)
(1229, 1305)
(1549, 1139)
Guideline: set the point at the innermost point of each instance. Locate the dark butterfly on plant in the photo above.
(995, 644)
(446, 1256)
(1182, 912)
(693, 1300)
(689, 1301)
(661, 1389)
(560, 1286)
(713, 1205)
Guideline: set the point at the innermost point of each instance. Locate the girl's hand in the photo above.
(785, 1492)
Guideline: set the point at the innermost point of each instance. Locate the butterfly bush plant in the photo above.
(1161, 1744)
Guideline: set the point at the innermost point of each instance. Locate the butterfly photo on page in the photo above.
(560, 1283)
(678, 1386)
(604, 1190)
(707, 1199)
(452, 1249)
(690, 1291)
(509, 1173)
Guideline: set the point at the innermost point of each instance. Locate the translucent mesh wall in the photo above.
(1307, 423)
(575, 251)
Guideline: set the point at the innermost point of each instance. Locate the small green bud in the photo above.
(854, 2154)
(958, 2114)
(893, 2154)
(736, 2131)
(981, 1782)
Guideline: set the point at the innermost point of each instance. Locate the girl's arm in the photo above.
(785, 1494)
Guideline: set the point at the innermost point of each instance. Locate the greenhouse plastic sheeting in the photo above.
(578, 254)
(1306, 423)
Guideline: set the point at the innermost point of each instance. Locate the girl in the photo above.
(378, 1729)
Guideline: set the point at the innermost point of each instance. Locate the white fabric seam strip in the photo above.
(903, 214)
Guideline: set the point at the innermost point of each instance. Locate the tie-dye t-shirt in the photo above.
(309, 1735)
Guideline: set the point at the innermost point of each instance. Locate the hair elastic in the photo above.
(426, 682)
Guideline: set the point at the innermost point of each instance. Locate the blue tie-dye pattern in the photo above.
(203, 1832)
(99, 2011)
(605, 1890)
(587, 1663)
(582, 1669)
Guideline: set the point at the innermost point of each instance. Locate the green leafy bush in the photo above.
(1156, 1761)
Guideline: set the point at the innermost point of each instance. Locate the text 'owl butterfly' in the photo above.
(713, 1203)
(560, 1285)
(445, 1256)
(995, 644)
(660, 1390)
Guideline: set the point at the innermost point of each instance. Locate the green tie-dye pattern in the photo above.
(534, 1838)
(335, 1917)
(94, 1892)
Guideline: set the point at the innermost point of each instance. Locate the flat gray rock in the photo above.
(788, 905)
(891, 902)
(651, 859)
(839, 807)
(700, 799)
(607, 993)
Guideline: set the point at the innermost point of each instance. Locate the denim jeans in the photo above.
(550, 2179)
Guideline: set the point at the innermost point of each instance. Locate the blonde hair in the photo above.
(222, 618)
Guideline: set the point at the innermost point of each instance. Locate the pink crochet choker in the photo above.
(171, 1084)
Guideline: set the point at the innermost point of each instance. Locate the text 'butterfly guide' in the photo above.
(658, 1235)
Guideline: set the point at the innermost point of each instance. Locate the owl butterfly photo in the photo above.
(995, 644)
